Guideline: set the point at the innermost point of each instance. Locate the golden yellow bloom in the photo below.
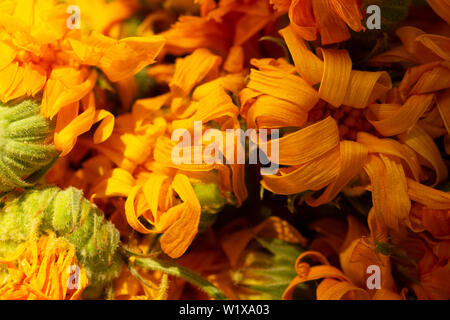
(44, 58)
(390, 137)
(41, 269)
(135, 162)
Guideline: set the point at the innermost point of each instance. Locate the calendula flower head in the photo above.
(365, 128)
(136, 162)
(50, 61)
(25, 144)
(26, 217)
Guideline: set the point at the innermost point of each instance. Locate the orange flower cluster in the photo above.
(360, 207)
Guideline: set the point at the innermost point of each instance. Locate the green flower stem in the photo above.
(176, 270)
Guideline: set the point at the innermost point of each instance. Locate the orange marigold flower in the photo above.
(136, 162)
(41, 269)
(42, 57)
(389, 137)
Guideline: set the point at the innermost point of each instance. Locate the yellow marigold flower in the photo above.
(388, 137)
(135, 162)
(41, 269)
(47, 59)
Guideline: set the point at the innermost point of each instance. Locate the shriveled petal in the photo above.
(389, 191)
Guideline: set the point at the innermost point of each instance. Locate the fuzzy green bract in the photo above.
(68, 214)
(24, 147)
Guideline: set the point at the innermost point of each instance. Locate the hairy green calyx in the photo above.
(68, 214)
(24, 144)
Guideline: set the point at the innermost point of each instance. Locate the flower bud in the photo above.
(24, 144)
(70, 216)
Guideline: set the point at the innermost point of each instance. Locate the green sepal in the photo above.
(270, 269)
(25, 146)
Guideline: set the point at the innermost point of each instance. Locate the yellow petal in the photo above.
(301, 146)
(336, 76)
(330, 289)
(307, 64)
(302, 19)
(365, 88)
(418, 140)
(353, 156)
(331, 27)
(177, 238)
(389, 191)
(430, 197)
(271, 112)
(313, 175)
(404, 118)
(129, 56)
(350, 12)
(284, 86)
(444, 108)
(442, 8)
(7, 54)
(65, 86)
(193, 69)
(106, 126)
(66, 138)
(116, 183)
(393, 148)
